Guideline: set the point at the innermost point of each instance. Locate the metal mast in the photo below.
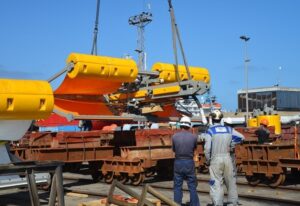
(94, 47)
(141, 20)
(176, 36)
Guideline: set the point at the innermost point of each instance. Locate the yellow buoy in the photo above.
(25, 99)
(252, 122)
(101, 67)
(167, 72)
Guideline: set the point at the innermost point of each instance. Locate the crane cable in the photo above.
(174, 42)
(176, 35)
(94, 47)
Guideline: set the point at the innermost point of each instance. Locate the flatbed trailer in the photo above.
(271, 162)
(122, 155)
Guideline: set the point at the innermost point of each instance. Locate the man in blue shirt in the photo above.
(184, 144)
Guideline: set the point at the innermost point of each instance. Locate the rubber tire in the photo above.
(137, 179)
(276, 180)
(253, 180)
(109, 177)
(123, 178)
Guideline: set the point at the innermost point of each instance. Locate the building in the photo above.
(282, 98)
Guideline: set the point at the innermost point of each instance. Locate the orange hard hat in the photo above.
(264, 122)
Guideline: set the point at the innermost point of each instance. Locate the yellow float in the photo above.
(25, 99)
(167, 72)
(97, 74)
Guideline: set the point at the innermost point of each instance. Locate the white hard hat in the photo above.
(185, 121)
(216, 115)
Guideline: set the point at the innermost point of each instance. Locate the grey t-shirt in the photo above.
(184, 144)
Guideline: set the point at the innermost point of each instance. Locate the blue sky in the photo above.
(37, 36)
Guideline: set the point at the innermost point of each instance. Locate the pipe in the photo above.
(289, 119)
(59, 185)
(160, 196)
(34, 198)
(234, 120)
(67, 68)
(125, 189)
(53, 191)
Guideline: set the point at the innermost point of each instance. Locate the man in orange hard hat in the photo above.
(263, 132)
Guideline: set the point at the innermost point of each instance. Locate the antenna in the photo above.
(141, 20)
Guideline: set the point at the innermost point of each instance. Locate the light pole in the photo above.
(141, 21)
(246, 60)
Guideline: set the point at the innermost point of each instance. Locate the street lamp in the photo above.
(246, 60)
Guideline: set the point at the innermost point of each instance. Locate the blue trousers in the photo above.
(184, 169)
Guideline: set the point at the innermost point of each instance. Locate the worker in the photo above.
(219, 140)
(184, 144)
(85, 125)
(263, 132)
(148, 125)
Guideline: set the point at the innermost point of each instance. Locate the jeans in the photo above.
(184, 169)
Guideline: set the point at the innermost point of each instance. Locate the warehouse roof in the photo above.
(269, 89)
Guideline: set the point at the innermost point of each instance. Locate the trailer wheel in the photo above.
(284, 176)
(254, 179)
(109, 177)
(137, 179)
(276, 180)
(122, 178)
(150, 172)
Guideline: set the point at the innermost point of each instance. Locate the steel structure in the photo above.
(121, 155)
(141, 21)
(97, 87)
(30, 169)
(271, 161)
